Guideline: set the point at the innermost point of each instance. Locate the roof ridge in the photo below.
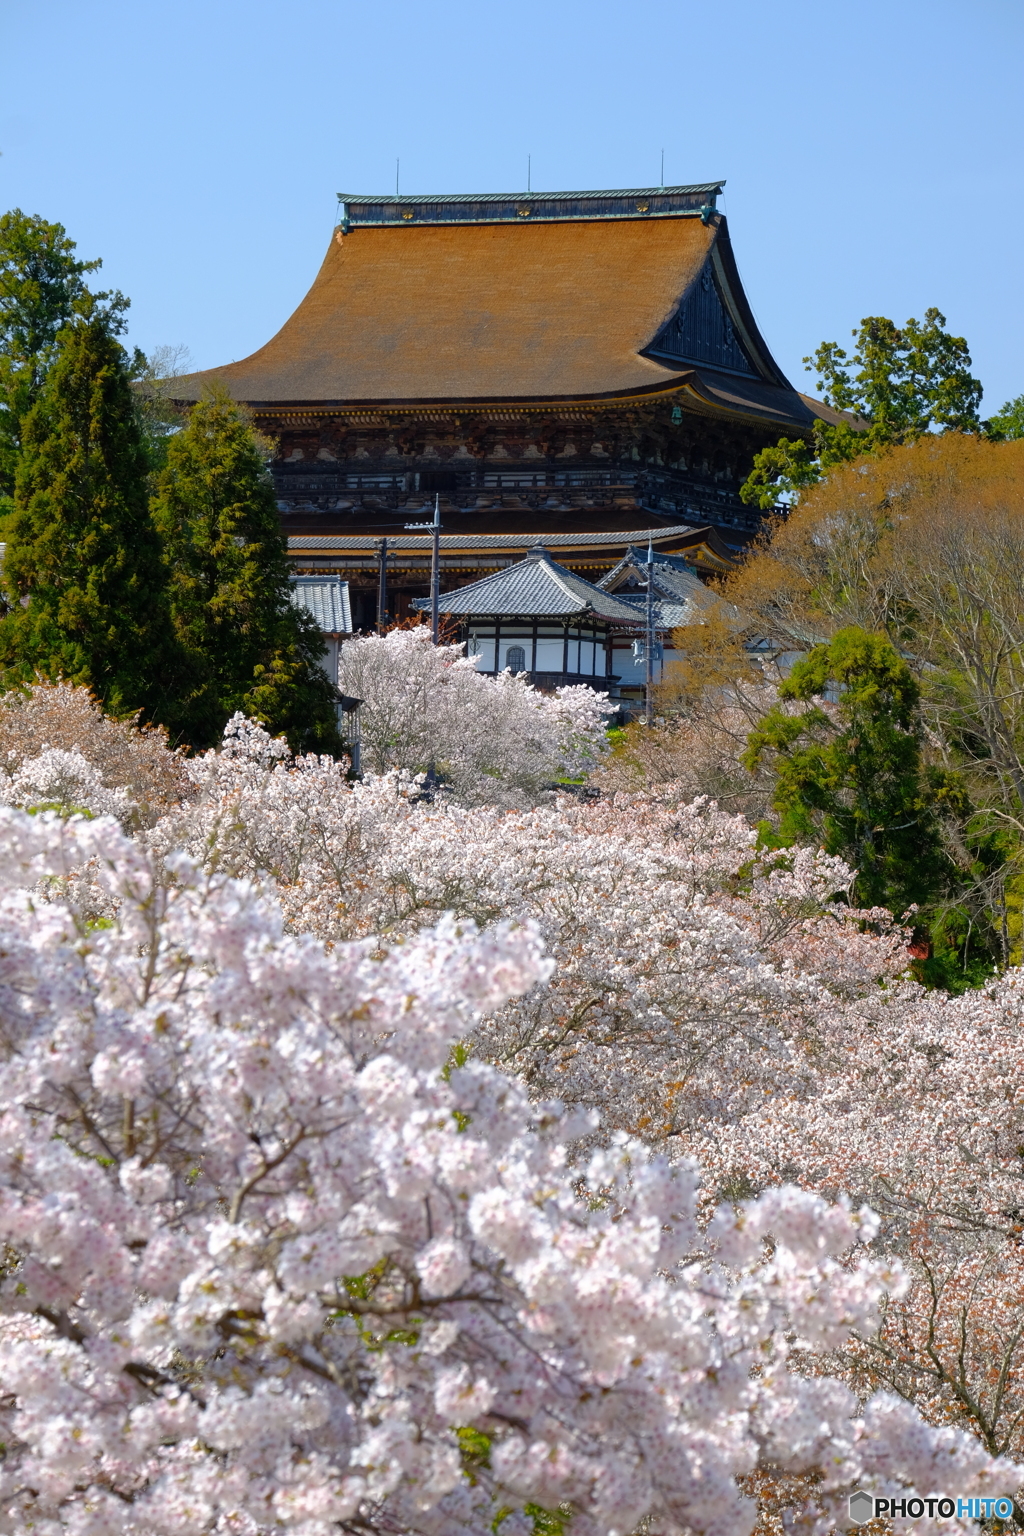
(423, 540)
(503, 197)
(558, 571)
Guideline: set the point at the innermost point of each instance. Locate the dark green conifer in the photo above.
(42, 289)
(229, 588)
(851, 776)
(83, 578)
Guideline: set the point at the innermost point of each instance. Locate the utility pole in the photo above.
(649, 647)
(435, 568)
(382, 584)
(435, 573)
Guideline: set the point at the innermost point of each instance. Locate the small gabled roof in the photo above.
(682, 598)
(534, 588)
(672, 573)
(326, 599)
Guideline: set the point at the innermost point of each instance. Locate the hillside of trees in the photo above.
(555, 1131)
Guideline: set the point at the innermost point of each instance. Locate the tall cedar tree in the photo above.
(250, 648)
(850, 775)
(83, 577)
(42, 289)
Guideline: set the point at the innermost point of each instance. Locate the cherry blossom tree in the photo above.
(494, 739)
(724, 1004)
(280, 1258)
(688, 967)
(124, 757)
(913, 1101)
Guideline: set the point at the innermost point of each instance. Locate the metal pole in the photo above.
(435, 573)
(382, 585)
(648, 682)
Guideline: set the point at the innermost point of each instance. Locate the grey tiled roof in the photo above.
(523, 541)
(326, 598)
(534, 588)
(667, 615)
(681, 596)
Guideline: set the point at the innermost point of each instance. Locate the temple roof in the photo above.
(513, 207)
(533, 588)
(441, 302)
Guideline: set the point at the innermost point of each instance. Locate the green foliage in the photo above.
(82, 574)
(901, 382)
(849, 775)
(249, 648)
(459, 1055)
(780, 472)
(1007, 425)
(548, 1522)
(42, 289)
(474, 1451)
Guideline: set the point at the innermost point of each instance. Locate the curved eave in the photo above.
(468, 402)
(564, 616)
(686, 388)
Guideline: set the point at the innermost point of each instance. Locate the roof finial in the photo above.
(662, 182)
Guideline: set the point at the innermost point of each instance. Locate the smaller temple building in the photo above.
(541, 618)
(537, 616)
(468, 555)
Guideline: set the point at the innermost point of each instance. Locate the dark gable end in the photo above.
(701, 330)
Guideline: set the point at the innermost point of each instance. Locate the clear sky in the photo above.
(873, 149)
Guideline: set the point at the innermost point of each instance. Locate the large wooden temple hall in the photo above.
(576, 368)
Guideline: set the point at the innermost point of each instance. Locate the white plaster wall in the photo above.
(549, 655)
(623, 665)
(330, 658)
(484, 649)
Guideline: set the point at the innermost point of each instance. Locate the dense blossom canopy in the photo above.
(276, 1262)
(376, 1164)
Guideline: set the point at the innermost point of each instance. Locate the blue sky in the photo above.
(873, 151)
